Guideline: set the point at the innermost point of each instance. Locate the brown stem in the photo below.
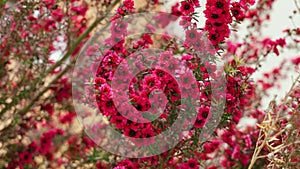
(267, 133)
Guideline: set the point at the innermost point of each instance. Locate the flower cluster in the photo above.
(218, 17)
(44, 147)
(140, 89)
(127, 8)
(221, 13)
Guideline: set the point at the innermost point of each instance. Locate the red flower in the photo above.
(48, 107)
(216, 38)
(236, 11)
(185, 21)
(129, 5)
(212, 167)
(49, 156)
(142, 104)
(49, 3)
(58, 14)
(186, 7)
(160, 74)
(131, 133)
(126, 163)
(99, 81)
(107, 107)
(32, 18)
(192, 163)
(33, 147)
(246, 70)
(218, 18)
(175, 10)
(80, 10)
(150, 83)
(195, 2)
(236, 152)
(25, 157)
(281, 42)
(67, 118)
(204, 113)
(199, 123)
(64, 92)
(147, 39)
(210, 147)
(296, 61)
(100, 165)
(119, 121)
(49, 24)
(191, 36)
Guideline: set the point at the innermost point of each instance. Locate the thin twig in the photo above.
(267, 133)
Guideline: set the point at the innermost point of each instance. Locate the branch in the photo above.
(273, 122)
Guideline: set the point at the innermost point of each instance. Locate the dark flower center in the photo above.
(116, 30)
(132, 133)
(160, 74)
(204, 114)
(219, 4)
(213, 37)
(235, 12)
(192, 35)
(199, 121)
(191, 164)
(109, 103)
(117, 39)
(186, 80)
(187, 7)
(26, 157)
(214, 16)
(121, 25)
(139, 107)
(151, 83)
(44, 141)
(218, 24)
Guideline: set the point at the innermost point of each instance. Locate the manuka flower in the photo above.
(186, 7)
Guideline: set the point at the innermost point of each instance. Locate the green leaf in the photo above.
(2, 3)
(16, 121)
(238, 61)
(45, 49)
(106, 156)
(24, 93)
